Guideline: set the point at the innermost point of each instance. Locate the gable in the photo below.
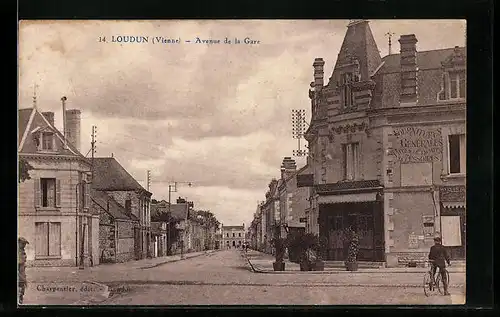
(29, 132)
(23, 117)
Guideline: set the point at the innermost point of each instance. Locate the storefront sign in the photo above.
(305, 180)
(452, 193)
(417, 145)
(413, 241)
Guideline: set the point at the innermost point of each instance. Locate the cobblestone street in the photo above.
(226, 278)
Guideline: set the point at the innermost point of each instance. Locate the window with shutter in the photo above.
(87, 195)
(41, 239)
(54, 239)
(351, 164)
(457, 153)
(58, 193)
(48, 192)
(38, 201)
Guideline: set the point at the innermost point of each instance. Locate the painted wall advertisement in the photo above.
(417, 145)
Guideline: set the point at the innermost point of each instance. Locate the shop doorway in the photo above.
(365, 218)
(453, 231)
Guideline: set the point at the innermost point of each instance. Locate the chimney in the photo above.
(408, 68)
(288, 167)
(72, 132)
(49, 116)
(318, 73)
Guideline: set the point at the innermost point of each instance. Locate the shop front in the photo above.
(360, 209)
(453, 220)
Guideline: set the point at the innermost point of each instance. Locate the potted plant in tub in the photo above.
(308, 252)
(319, 264)
(279, 245)
(351, 261)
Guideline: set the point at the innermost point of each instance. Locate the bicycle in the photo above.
(431, 283)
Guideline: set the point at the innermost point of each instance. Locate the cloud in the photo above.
(217, 115)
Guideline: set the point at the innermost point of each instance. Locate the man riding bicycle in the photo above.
(437, 257)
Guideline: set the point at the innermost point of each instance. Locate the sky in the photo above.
(215, 115)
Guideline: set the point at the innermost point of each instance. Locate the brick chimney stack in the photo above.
(288, 167)
(318, 65)
(409, 69)
(49, 116)
(73, 121)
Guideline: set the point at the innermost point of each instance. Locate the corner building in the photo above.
(387, 149)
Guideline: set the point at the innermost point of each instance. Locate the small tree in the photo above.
(24, 168)
(280, 246)
(353, 245)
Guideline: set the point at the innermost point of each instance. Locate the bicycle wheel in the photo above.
(439, 282)
(427, 284)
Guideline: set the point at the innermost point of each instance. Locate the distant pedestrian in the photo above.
(22, 280)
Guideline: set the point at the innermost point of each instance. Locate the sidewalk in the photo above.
(72, 286)
(51, 274)
(263, 263)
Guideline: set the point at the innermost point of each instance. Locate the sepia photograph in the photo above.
(241, 162)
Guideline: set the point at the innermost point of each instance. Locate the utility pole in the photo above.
(94, 134)
(83, 225)
(390, 34)
(65, 129)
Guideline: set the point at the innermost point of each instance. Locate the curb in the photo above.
(172, 261)
(251, 265)
(340, 271)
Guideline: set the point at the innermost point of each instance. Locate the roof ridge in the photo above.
(434, 50)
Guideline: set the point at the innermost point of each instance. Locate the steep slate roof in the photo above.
(360, 44)
(429, 77)
(110, 175)
(115, 209)
(159, 212)
(27, 143)
(23, 116)
(426, 60)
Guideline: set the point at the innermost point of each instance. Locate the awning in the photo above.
(453, 204)
(348, 198)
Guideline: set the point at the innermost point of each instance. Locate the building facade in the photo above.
(294, 200)
(111, 178)
(233, 236)
(116, 229)
(387, 149)
(54, 212)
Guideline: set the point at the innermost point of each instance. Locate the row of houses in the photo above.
(386, 155)
(76, 211)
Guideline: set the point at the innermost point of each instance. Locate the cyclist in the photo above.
(437, 257)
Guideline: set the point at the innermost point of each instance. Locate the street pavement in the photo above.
(226, 278)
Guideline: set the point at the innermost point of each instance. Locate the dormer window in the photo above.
(453, 86)
(45, 141)
(347, 95)
(48, 141)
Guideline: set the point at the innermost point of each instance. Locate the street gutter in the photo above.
(177, 260)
